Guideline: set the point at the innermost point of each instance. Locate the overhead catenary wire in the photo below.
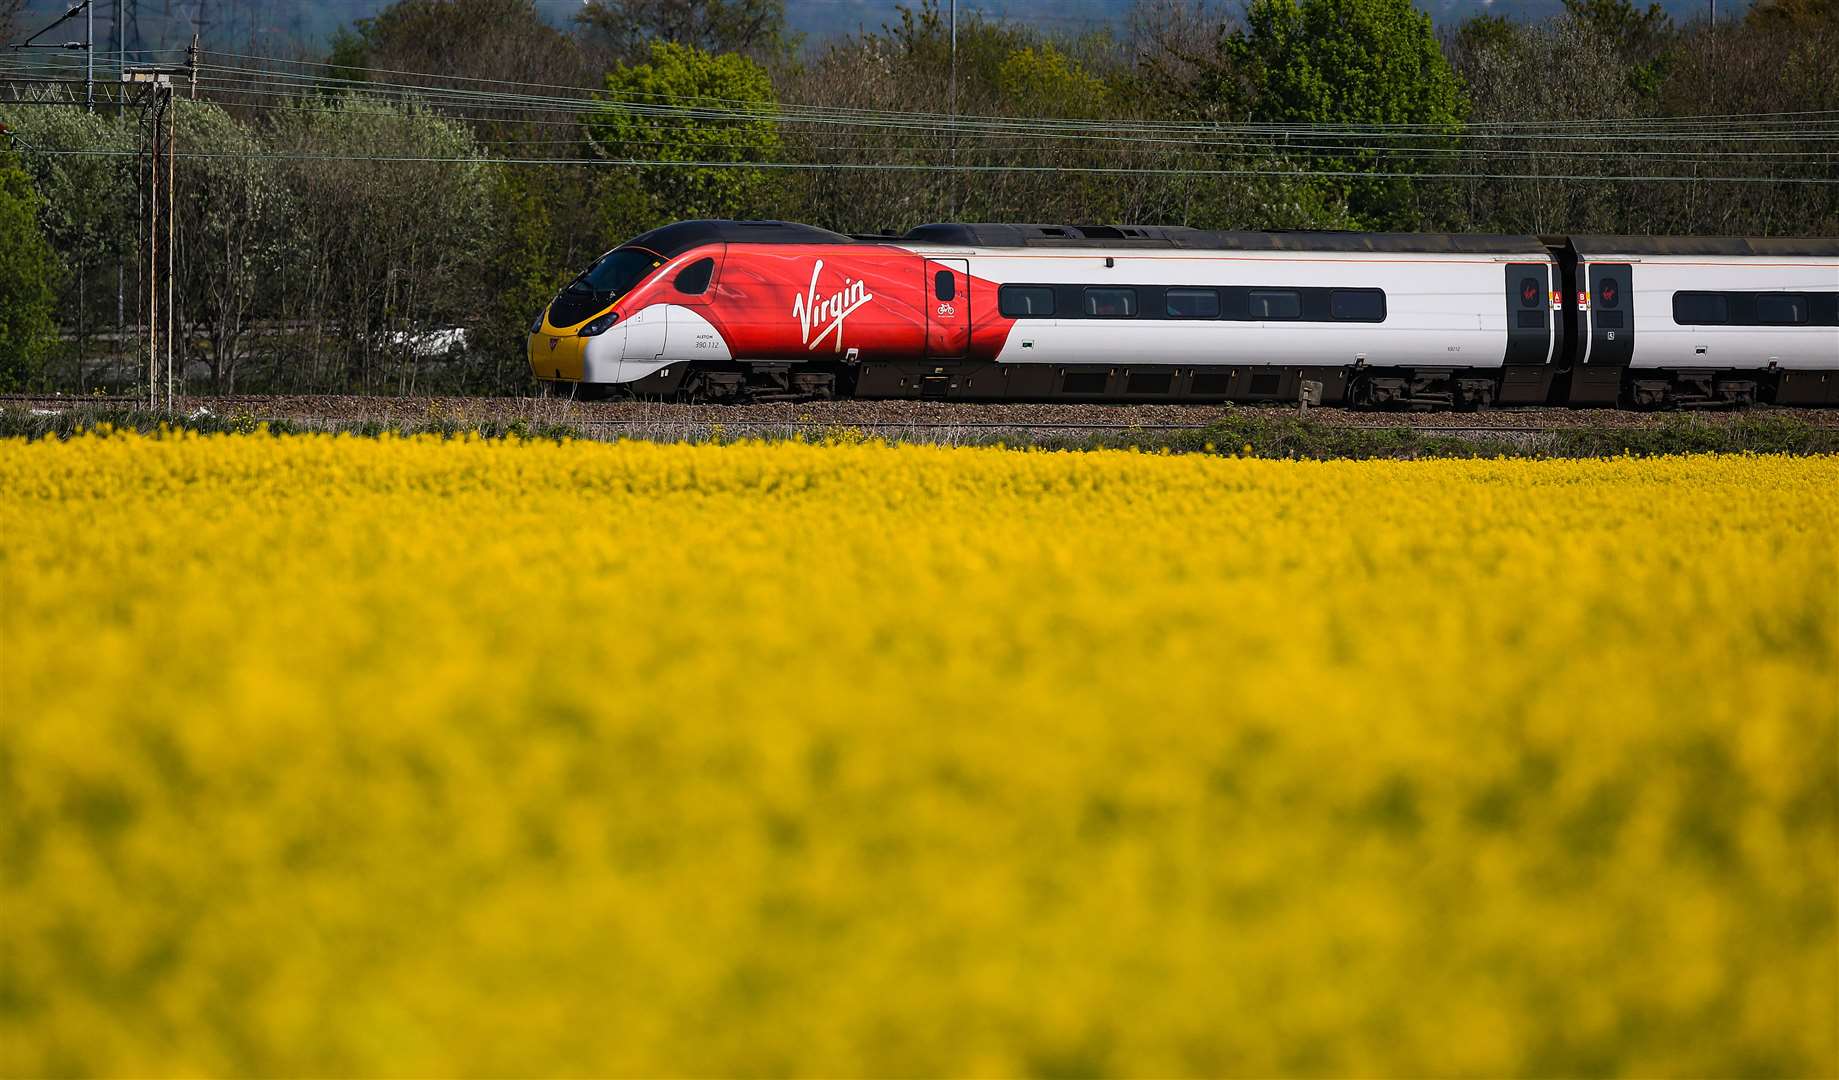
(1747, 125)
(1752, 124)
(1807, 153)
(1824, 128)
(1803, 124)
(1126, 142)
(1288, 149)
(412, 159)
(1804, 135)
(1794, 139)
(1827, 131)
(1734, 119)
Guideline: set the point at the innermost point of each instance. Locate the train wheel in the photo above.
(815, 385)
(1474, 395)
(707, 387)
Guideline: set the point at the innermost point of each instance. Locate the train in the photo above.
(737, 311)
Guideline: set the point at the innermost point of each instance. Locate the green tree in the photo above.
(1640, 36)
(1351, 62)
(1636, 32)
(1484, 32)
(1043, 81)
(82, 165)
(686, 106)
(1046, 82)
(525, 272)
(1794, 14)
(1509, 86)
(462, 44)
(389, 239)
(493, 39)
(919, 48)
(629, 27)
(232, 234)
(28, 278)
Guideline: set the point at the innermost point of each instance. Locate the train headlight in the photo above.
(599, 326)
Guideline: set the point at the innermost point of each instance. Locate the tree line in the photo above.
(390, 218)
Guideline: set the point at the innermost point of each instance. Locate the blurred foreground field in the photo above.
(347, 756)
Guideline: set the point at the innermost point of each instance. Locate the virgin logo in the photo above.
(826, 314)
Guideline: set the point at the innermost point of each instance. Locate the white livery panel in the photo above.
(1442, 310)
(1663, 342)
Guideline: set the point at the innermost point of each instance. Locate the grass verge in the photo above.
(1259, 436)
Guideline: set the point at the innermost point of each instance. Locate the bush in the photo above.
(29, 272)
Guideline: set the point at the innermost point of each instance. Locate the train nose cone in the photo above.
(600, 359)
(554, 356)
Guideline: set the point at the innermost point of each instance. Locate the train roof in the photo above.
(674, 239)
(677, 238)
(1177, 236)
(1778, 246)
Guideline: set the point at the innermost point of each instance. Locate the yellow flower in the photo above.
(400, 756)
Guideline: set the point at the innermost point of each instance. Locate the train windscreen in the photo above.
(616, 273)
(613, 276)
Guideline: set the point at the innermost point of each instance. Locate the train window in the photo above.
(616, 272)
(694, 278)
(1608, 293)
(1781, 309)
(1358, 305)
(1531, 292)
(1025, 301)
(1111, 303)
(944, 285)
(1194, 304)
(1270, 304)
(1700, 308)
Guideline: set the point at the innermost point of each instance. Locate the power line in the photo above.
(1800, 125)
(1794, 138)
(1325, 148)
(1824, 130)
(1157, 146)
(1699, 124)
(929, 167)
(1745, 126)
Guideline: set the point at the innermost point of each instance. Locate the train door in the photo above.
(645, 334)
(948, 308)
(1606, 331)
(1532, 334)
(1612, 314)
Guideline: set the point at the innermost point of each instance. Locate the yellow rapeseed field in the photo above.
(341, 756)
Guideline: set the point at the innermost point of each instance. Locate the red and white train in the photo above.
(748, 310)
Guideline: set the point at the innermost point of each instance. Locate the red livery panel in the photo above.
(810, 302)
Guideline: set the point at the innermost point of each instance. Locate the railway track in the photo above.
(900, 420)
